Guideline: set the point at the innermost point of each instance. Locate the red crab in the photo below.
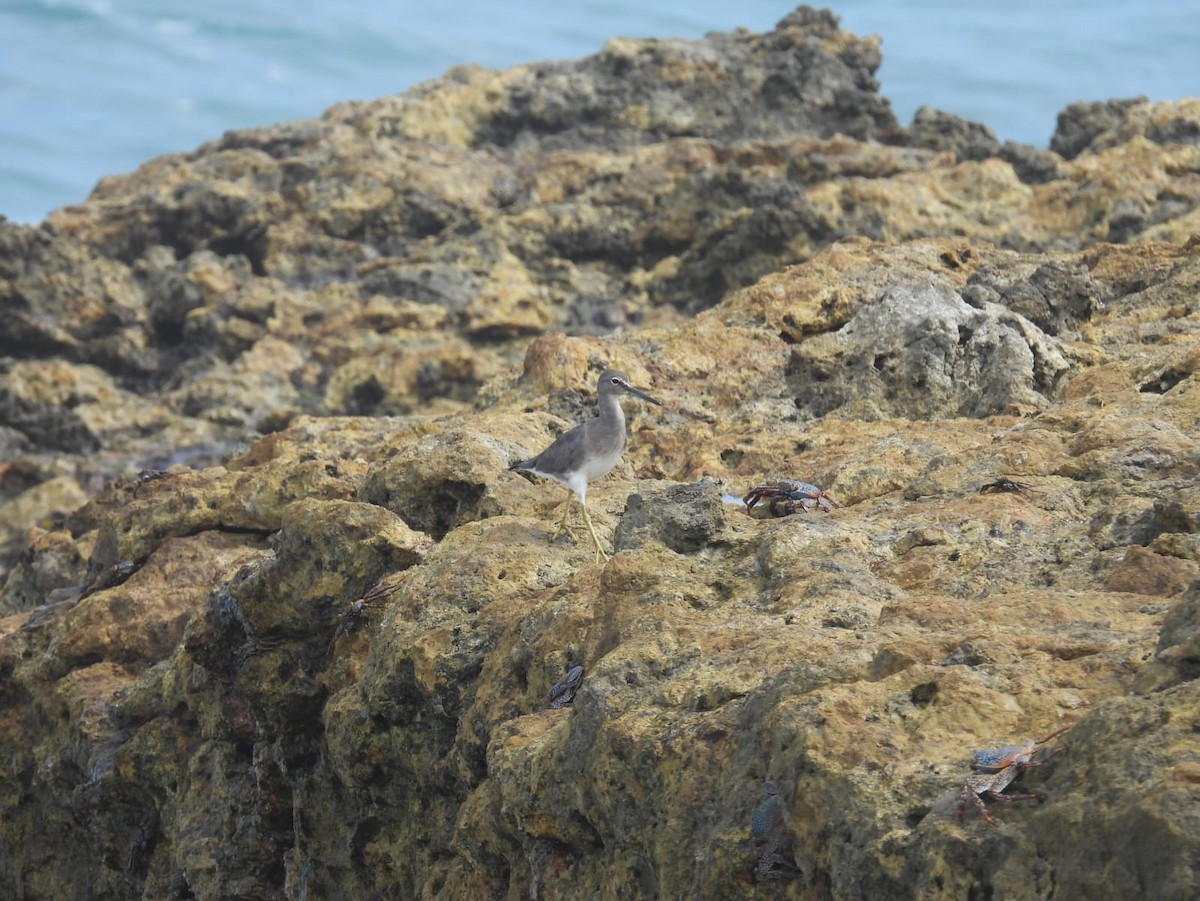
(994, 770)
(787, 496)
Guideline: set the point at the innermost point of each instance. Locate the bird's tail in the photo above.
(519, 465)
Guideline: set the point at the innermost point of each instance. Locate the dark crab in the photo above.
(994, 769)
(355, 616)
(563, 691)
(1005, 485)
(788, 496)
(770, 834)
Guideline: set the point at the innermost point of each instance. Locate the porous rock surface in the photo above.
(280, 623)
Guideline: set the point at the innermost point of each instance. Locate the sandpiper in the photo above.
(589, 450)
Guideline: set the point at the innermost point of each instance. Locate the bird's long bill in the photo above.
(642, 394)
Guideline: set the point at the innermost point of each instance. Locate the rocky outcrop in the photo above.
(279, 622)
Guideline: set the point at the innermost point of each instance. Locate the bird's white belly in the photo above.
(594, 467)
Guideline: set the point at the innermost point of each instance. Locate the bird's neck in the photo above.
(610, 408)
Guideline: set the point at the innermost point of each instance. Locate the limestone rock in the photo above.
(686, 518)
(1099, 125)
(924, 353)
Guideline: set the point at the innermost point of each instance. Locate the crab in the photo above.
(146, 475)
(252, 647)
(771, 835)
(563, 691)
(114, 575)
(355, 616)
(1005, 485)
(788, 496)
(994, 769)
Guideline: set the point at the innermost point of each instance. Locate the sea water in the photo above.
(95, 87)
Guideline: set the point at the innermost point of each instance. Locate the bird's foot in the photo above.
(562, 529)
(601, 556)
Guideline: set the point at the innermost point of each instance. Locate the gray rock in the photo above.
(685, 518)
(922, 351)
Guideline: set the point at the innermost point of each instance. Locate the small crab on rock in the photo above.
(788, 496)
(994, 769)
(1005, 485)
(355, 615)
(563, 691)
(771, 836)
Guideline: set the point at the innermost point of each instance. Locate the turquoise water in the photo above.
(93, 87)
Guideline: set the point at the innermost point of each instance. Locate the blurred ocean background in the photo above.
(95, 87)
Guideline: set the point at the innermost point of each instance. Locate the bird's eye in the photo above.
(615, 380)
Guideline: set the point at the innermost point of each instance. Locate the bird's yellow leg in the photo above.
(562, 523)
(600, 555)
